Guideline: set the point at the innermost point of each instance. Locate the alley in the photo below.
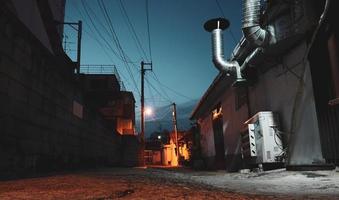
(133, 183)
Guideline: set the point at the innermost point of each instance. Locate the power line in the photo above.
(159, 93)
(111, 28)
(223, 14)
(151, 94)
(163, 115)
(108, 45)
(131, 28)
(111, 32)
(161, 88)
(148, 30)
(87, 10)
(91, 33)
(116, 41)
(120, 53)
(94, 32)
(172, 90)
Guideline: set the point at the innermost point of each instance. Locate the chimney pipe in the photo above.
(216, 26)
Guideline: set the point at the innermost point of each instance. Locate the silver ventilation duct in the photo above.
(251, 28)
(216, 26)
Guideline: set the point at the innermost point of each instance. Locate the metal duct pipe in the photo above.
(216, 26)
(251, 57)
(251, 24)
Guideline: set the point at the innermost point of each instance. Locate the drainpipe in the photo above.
(216, 27)
(251, 28)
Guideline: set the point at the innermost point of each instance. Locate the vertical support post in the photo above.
(79, 30)
(142, 101)
(79, 46)
(174, 113)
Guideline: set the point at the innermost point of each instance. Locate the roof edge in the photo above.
(215, 82)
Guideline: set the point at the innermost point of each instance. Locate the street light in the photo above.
(148, 111)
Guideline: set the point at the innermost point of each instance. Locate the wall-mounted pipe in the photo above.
(252, 56)
(251, 27)
(216, 26)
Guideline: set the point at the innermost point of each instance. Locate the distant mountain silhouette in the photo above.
(163, 119)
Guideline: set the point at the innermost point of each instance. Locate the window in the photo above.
(77, 109)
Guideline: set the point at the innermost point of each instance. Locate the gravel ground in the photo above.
(115, 183)
(128, 183)
(276, 183)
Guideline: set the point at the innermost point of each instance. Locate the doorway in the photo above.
(217, 121)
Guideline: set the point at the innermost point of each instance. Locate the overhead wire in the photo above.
(91, 34)
(108, 46)
(151, 94)
(157, 91)
(162, 115)
(155, 77)
(170, 89)
(223, 14)
(111, 28)
(148, 30)
(132, 29)
(115, 38)
(102, 37)
(119, 53)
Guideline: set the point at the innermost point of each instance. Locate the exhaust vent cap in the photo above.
(217, 23)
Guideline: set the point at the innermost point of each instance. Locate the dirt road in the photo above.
(114, 183)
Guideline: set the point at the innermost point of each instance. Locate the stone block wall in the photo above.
(38, 130)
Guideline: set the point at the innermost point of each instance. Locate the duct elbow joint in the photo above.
(257, 36)
(216, 27)
(228, 67)
(253, 32)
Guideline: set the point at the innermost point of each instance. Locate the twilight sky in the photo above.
(180, 48)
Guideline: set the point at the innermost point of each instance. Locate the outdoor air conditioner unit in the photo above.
(261, 141)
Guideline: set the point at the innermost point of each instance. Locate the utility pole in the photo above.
(175, 125)
(79, 46)
(142, 134)
(143, 70)
(65, 43)
(79, 30)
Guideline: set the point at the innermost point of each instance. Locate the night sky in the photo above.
(180, 48)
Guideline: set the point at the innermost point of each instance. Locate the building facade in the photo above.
(46, 122)
(285, 77)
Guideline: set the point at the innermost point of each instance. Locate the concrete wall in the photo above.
(38, 131)
(28, 12)
(58, 11)
(129, 148)
(276, 91)
(207, 141)
(233, 123)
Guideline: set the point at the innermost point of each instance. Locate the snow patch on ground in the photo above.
(281, 182)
